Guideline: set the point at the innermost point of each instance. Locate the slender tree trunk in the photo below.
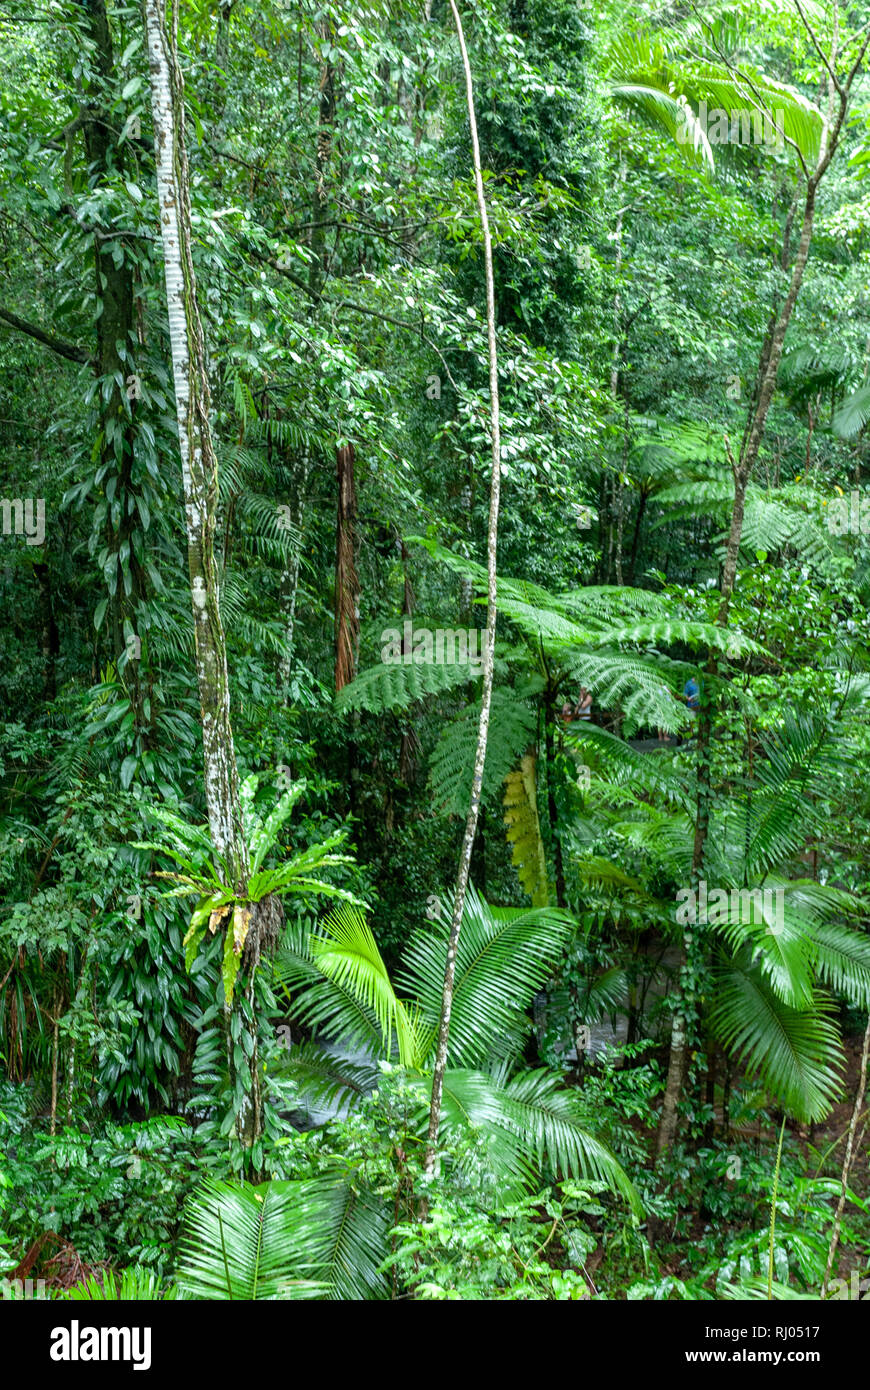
(847, 1160)
(200, 483)
(743, 469)
(489, 643)
(320, 201)
(346, 579)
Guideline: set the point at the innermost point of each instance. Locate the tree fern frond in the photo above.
(390, 686)
(451, 765)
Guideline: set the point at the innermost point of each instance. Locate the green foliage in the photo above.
(212, 879)
(796, 1052)
(638, 253)
(524, 832)
(133, 1285)
(386, 687)
(451, 765)
(115, 1195)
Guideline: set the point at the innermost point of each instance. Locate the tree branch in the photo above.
(63, 349)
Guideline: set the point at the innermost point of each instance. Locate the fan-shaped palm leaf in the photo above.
(503, 958)
(796, 1053)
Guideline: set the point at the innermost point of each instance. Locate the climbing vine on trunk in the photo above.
(489, 636)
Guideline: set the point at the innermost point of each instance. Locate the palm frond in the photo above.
(796, 1053)
(244, 1242)
(322, 1077)
(134, 1284)
(550, 1122)
(503, 957)
(319, 1002)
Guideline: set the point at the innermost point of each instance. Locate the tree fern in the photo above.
(319, 1238)
(616, 761)
(511, 730)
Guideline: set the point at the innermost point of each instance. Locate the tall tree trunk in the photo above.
(198, 461)
(200, 484)
(489, 643)
(847, 1159)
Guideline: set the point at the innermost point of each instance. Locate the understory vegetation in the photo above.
(434, 650)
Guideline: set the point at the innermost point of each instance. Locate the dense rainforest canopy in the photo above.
(434, 649)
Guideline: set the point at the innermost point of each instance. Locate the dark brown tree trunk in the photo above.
(323, 154)
(49, 638)
(346, 579)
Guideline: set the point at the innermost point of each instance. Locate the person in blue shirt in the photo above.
(692, 697)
